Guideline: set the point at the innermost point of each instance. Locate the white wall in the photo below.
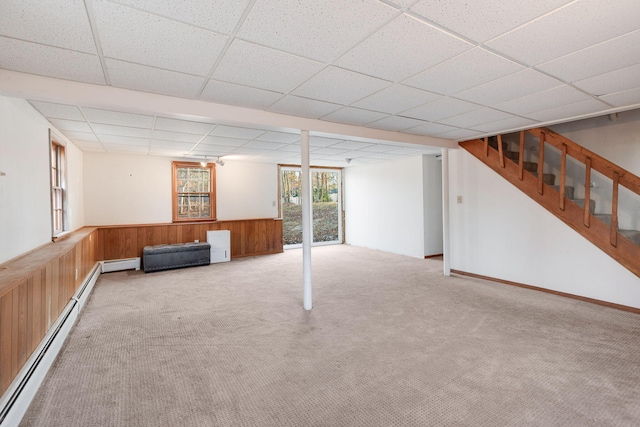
(432, 199)
(384, 206)
(497, 231)
(247, 190)
(25, 194)
(134, 189)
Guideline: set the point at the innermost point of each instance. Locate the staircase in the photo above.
(579, 213)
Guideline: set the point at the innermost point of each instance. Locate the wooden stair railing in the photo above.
(605, 236)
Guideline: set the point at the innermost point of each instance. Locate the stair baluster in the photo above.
(587, 192)
(500, 151)
(563, 174)
(614, 210)
(541, 165)
(521, 157)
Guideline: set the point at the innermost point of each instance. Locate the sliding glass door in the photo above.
(326, 208)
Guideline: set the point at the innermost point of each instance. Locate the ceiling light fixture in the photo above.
(220, 161)
(204, 162)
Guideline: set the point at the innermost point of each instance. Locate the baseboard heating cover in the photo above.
(16, 400)
(120, 264)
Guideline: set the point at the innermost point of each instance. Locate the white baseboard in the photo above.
(120, 264)
(16, 400)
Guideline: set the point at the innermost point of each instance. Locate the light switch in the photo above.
(459, 199)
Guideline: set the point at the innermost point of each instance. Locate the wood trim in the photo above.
(587, 193)
(34, 289)
(550, 291)
(433, 256)
(626, 252)
(614, 210)
(580, 153)
(174, 191)
(541, 164)
(500, 150)
(563, 175)
(521, 156)
(249, 237)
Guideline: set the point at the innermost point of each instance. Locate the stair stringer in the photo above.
(501, 233)
(598, 233)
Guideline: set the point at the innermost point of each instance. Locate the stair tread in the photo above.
(592, 204)
(633, 235)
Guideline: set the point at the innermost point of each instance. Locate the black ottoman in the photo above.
(178, 255)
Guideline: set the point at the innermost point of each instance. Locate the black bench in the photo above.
(178, 255)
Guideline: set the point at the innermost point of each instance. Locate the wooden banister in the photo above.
(604, 236)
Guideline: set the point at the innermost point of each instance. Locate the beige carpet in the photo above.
(390, 342)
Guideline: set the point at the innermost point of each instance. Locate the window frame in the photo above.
(58, 186)
(175, 165)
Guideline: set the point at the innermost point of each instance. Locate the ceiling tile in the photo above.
(379, 148)
(185, 126)
(396, 98)
(265, 145)
(241, 96)
(402, 3)
(83, 145)
(213, 150)
(82, 136)
(125, 148)
(351, 145)
(340, 86)
(459, 135)
(284, 137)
(408, 151)
(58, 111)
(49, 61)
(220, 15)
(121, 130)
(227, 142)
(510, 87)
(175, 145)
(291, 148)
(430, 129)
(309, 28)
(391, 52)
(611, 82)
(135, 36)
(611, 55)
(440, 109)
(236, 132)
(303, 107)
(264, 68)
(148, 79)
(482, 115)
(621, 99)
(248, 150)
(95, 115)
(44, 22)
(379, 156)
(321, 141)
(481, 20)
(165, 152)
(353, 116)
(579, 25)
(329, 151)
(472, 68)
(555, 97)
(123, 140)
(71, 125)
(505, 125)
(176, 136)
(395, 123)
(569, 111)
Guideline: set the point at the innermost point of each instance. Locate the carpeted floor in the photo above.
(390, 342)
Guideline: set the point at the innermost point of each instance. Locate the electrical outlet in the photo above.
(273, 203)
(459, 199)
(196, 241)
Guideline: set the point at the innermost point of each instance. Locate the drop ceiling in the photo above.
(375, 79)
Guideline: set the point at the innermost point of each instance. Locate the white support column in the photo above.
(307, 224)
(445, 212)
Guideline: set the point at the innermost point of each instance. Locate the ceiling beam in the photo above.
(48, 89)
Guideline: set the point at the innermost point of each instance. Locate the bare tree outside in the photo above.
(325, 193)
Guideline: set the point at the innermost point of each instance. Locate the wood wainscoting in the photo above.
(34, 290)
(249, 237)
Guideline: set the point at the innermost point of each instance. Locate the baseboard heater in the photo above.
(120, 264)
(16, 400)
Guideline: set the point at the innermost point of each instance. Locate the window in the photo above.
(58, 188)
(194, 196)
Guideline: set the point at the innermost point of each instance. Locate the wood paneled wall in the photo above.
(34, 289)
(248, 237)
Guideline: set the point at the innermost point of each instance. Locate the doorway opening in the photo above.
(326, 206)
